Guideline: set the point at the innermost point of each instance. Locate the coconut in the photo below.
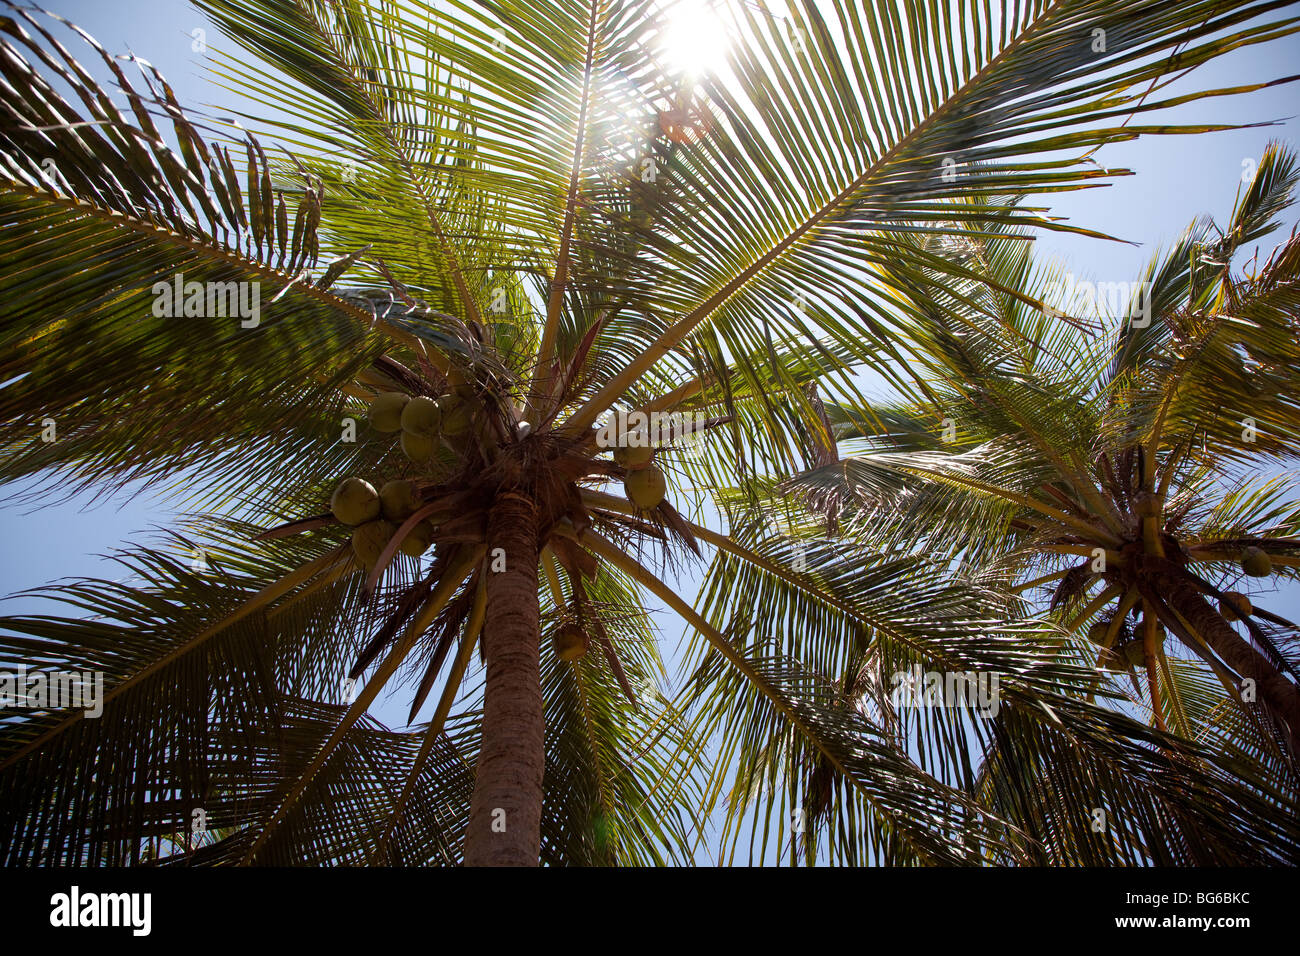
(1111, 660)
(398, 500)
(1235, 606)
(369, 541)
(1134, 653)
(633, 456)
(355, 501)
(457, 414)
(417, 447)
(418, 540)
(569, 642)
(386, 411)
(1097, 633)
(421, 416)
(645, 487)
(1256, 562)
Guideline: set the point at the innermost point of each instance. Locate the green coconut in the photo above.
(386, 411)
(417, 447)
(418, 540)
(1134, 653)
(1235, 606)
(369, 541)
(398, 500)
(633, 456)
(457, 415)
(1097, 633)
(569, 642)
(1112, 660)
(645, 487)
(355, 501)
(1256, 562)
(422, 416)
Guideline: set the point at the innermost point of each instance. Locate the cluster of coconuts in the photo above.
(569, 641)
(1257, 564)
(1233, 607)
(376, 516)
(421, 420)
(645, 485)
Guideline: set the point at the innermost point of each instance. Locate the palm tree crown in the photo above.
(1127, 474)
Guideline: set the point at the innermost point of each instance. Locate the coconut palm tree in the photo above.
(1134, 471)
(484, 233)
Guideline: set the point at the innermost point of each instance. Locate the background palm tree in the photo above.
(537, 222)
(1134, 474)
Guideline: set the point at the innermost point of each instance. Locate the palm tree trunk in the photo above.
(1281, 696)
(505, 814)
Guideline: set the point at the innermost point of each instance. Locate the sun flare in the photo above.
(695, 40)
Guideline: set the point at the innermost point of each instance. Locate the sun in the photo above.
(695, 40)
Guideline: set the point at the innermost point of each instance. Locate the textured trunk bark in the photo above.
(505, 814)
(1282, 696)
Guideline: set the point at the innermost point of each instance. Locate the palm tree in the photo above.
(538, 223)
(1134, 474)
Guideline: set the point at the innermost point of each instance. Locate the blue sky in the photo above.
(1176, 179)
